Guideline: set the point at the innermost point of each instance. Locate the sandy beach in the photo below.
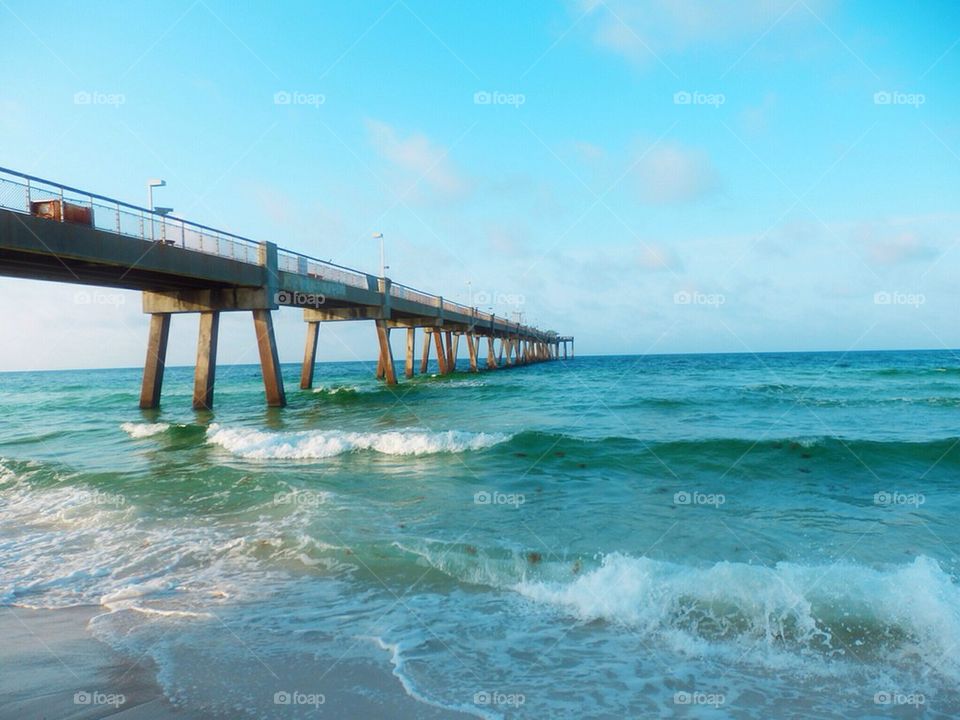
(54, 669)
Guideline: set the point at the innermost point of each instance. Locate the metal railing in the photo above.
(408, 293)
(19, 192)
(300, 264)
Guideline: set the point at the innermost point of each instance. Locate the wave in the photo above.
(318, 444)
(719, 450)
(786, 612)
(144, 430)
(911, 608)
(340, 390)
(917, 372)
(398, 662)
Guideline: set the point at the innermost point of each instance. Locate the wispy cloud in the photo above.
(672, 173)
(640, 29)
(883, 247)
(419, 161)
(659, 258)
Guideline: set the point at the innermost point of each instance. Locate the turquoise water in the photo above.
(690, 536)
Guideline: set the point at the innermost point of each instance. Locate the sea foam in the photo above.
(824, 609)
(143, 430)
(318, 444)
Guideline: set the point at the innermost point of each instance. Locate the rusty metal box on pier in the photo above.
(51, 209)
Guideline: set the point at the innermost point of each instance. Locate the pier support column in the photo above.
(472, 345)
(204, 374)
(451, 358)
(441, 355)
(309, 355)
(411, 340)
(426, 352)
(269, 359)
(156, 360)
(386, 353)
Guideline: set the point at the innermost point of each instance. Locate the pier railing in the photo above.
(19, 192)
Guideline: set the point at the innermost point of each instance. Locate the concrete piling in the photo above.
(206, 368)
(309, 356)
(269, 359)
(156, 360)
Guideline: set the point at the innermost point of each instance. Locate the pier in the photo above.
(57, 233)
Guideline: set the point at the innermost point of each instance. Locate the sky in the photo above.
(648, 176)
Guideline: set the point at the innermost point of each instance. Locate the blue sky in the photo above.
(648, 176)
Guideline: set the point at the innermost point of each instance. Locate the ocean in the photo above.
(748, 536)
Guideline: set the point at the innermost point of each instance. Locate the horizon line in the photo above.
(578, 356)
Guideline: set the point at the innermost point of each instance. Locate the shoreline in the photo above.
(53, 667)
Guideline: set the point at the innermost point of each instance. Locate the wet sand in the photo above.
(53, 669)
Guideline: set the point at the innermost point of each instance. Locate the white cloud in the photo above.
(655, 258)
(896, 249)
(671, 173)
(755, 118)
(639, 29)
(419, 161)
(589, 152)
